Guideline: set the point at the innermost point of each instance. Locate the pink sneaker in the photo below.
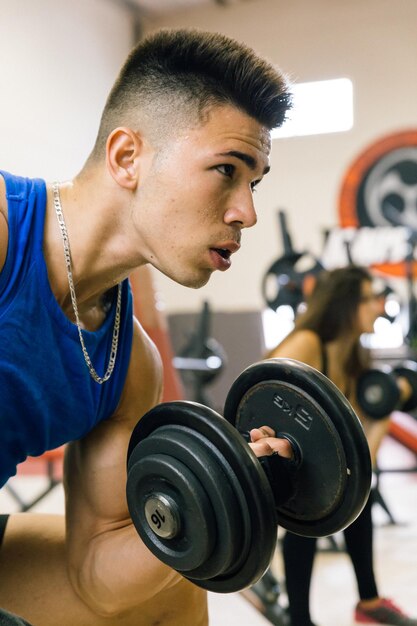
(385, 613)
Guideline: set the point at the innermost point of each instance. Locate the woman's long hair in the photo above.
(332, 311)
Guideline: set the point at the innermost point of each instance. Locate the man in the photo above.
(183, 140)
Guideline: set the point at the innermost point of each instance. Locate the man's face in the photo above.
(197, 196)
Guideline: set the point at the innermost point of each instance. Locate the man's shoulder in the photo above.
(145, 350)
(143, 385)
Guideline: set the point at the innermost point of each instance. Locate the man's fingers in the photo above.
(261, 433)
(264, 443)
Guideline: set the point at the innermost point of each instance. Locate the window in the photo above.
(324, 106)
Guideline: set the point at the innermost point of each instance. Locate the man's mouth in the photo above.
(220, 256)
(223, 252)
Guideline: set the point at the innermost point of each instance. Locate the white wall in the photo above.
(58, 59)
(372, 42)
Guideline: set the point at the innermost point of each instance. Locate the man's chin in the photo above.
(196, 282)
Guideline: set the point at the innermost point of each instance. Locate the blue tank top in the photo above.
(47, 396)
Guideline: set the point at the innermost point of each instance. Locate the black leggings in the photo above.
(298, 553)
(6, 618)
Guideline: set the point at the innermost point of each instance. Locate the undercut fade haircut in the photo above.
(176, 71)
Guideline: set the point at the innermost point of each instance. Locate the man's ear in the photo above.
(123, 148)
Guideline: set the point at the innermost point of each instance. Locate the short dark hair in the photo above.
(202, 69)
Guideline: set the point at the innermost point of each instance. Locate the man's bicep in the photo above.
(94, 478)
(95, 467)
(99, 528)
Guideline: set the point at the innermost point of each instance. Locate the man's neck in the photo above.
(99, 254)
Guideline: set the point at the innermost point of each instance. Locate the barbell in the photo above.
(205, 505)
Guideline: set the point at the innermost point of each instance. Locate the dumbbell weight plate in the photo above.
(188, 465)
(281, 284)
(377, 393)
(333, 477)
(284, 280)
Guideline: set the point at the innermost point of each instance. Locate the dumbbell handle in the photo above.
(280, 470)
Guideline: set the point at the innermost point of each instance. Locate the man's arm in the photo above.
(109, 566)
(34, 583)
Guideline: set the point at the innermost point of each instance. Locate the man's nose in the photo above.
(242, 212)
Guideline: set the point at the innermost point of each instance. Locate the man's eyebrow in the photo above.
(246, 158)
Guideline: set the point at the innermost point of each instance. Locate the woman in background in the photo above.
(341, 307)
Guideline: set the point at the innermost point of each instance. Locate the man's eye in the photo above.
(254, 185)
(226, 169)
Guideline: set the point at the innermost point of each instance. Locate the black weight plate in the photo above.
(252, 489)
(213, 474)
(334, 472)
(318, 492)
(281, 284)
(151, 473)
(230, 508)
(377, 393)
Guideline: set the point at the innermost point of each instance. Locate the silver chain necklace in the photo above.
(116, 328)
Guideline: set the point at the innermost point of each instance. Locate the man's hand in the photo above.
(264, 443)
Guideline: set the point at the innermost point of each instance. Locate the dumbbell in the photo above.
(383, 390)
(205, 505)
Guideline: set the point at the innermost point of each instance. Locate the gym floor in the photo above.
(333, 594)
